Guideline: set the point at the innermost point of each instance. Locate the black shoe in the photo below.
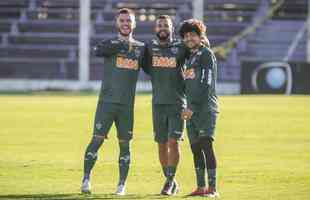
(167, 189)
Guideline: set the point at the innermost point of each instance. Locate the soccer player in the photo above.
(123, 58)
(199, 73)
(164, 56)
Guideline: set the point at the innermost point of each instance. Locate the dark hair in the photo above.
(167, 17)
(193, 25)
(125, 11)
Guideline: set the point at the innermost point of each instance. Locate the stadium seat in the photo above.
(35, 69)
(296, 10)
(33, 52)
(44, 39)
(5, 26)
(48, 26)
(56, 14)
(9, 13)
(14, 4)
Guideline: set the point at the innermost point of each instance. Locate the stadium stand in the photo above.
(264, 44)
(39, 38)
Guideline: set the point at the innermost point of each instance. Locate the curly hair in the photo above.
(197, 26)
(192, 25)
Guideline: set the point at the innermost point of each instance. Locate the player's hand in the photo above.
(186, 114)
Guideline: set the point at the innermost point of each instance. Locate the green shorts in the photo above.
(167, 122)
(202, 124)
(121, 114)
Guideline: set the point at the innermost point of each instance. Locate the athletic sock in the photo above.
(212, 178)
(199, 162)
(207, 145)
(124, 161)
(200, 177)
(171, 170)
(165, 171)
(91, 156)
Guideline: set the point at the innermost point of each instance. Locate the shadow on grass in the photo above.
(77, 196)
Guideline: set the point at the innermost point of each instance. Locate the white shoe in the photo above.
(120, 190)
(213, 195)
(86, 187)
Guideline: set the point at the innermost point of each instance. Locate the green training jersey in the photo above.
(122, 61)
(164, 66)
(200, 74)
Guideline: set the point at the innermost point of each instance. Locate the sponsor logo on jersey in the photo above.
(164, 62)
(189, 73)
(126, 63)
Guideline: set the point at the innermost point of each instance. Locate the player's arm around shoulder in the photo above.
(109, 47)
(147, 58)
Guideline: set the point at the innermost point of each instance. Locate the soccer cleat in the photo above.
(86, 187)
(167, 189)
(198, 192)
(175, 188)
(212, 193)
(121, 190)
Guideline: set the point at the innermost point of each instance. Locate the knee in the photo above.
(163, 147)
(207, 142)
(172, 142)
(173, 145)
(196, 148)
(124, 157)
(92, 149)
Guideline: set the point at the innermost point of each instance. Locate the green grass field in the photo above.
(262, 144)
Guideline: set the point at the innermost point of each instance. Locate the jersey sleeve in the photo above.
(107, 48)
(207, 62)
(147, 60)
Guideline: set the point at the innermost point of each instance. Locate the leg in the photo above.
(207, 145)
(163, 157)
(199, 163)
(175, 134)
(103, 123)
(124, 161)
(160, 128)
(91, 154)
(198, 156)
(124, 125)
(206, 136)
(173, 157)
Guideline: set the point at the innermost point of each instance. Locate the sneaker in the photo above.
(175, 188)
(121, 190)
(167, 189)
(198, 192)
(86, 187)
(212, 193)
